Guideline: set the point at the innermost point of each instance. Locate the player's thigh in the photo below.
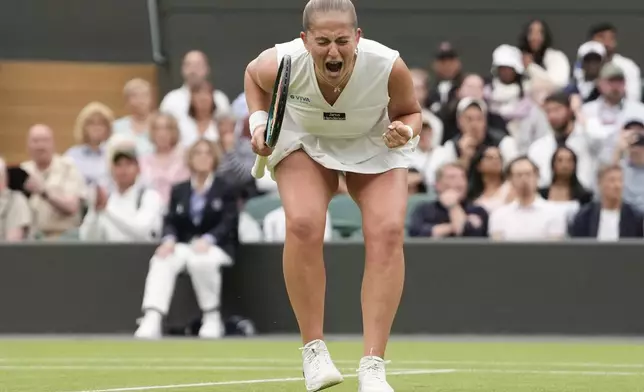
(305, 188)
(382, 199)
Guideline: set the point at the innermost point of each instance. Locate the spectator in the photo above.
(15, 214)
(591, 56)
(629, 154)
(448, 71)
(130, 213)
(611, 218)
(166, 166)
(195, 71)
(200, 122)
(226, 127)
(199, 236)
(529, 217)
(239, 158)
(474, 135)
(471, 86)
(420, 79)
(606, 34)
(451, 215)
(487, 185)
(275, 226)
(138, 100)
(239, 109)
(56, 186)
(508, 93)
(93, 127)
(542, 62)
(565, 130)
(565, 191)
(421, 157)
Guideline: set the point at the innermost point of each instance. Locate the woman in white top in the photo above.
(200, 122)
(547, 68)
(488, 187)
(351, 109)
(138, 100)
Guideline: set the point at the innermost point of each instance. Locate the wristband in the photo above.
(258, 118)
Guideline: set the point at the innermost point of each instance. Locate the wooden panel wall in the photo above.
(53, 93)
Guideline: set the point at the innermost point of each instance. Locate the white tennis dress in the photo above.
(346, 136)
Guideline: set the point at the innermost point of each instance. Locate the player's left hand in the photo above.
(397, 135)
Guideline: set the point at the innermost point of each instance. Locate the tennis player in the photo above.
(351, 108)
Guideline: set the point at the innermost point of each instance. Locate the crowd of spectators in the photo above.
(537, 149)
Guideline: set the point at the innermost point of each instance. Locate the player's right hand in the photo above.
(165, 249)
(258, 143)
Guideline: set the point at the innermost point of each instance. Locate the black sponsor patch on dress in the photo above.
(335, 116)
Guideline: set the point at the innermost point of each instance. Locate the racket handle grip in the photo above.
(259, 168)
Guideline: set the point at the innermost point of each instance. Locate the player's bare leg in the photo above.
(305, 189)
(383, 201)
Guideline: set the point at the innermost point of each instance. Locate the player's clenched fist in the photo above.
(398, 134)
(258, 143)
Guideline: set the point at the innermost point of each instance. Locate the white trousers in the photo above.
(204, 270)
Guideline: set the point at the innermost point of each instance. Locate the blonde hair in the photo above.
(173, 126)
(136, 84)
(88, 111)
(323, 6)
(215, 152)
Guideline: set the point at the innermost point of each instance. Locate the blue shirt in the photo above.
(91, 163)
(633, 185)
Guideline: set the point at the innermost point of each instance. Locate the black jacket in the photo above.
(586, 223)
(220, 215)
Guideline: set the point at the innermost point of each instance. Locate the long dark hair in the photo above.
(207, 87)
(476, 185)
(524, 45)
(577, 191)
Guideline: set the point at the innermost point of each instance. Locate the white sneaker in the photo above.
(371, 375)
(212, 327)
(319, 371)
(150, 326)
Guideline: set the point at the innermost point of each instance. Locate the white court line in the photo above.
(293, 362)
(552, 372)
(149, 367)
(264, 381)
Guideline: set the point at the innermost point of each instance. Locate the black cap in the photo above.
(129, 154)
(600, 28)
(446, 51)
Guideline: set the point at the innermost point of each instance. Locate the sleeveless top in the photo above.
(352, 127)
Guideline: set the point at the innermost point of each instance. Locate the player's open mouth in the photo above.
(333, 66)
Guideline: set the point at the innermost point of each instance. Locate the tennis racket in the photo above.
(275, 113)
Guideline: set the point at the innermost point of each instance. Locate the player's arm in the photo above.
(259, 80)
(403, 105)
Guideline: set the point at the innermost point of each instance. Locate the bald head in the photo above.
(40, 143)
(195, 68)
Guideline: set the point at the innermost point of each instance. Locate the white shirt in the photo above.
(556, 69)
(275, 226)
(608, 229)
(177, 102)
(609, 119)
(538, 221)
(189, 130)
(249, 230)
(585, 141)
(121, 221)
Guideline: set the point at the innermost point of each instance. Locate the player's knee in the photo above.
(305, 227)
(386, 233)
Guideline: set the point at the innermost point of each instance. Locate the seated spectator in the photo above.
(565, 191)
(543, 63)
(420, 78)
(199, 236)
(508, 93)
(566, 130)
(239, 158)
(591, 57)
(471, 86)
(474, 135)
(606, 34)
(200, 121)
(56, 186)
(166, 166)
(226, 127)
(15, 214)
(195, 71)
(131, 212)
(487, 185)
(421, 157)
(629, 154)
(529, 217)
(448, 71)
(451, 215)
(93, 127)
(239, 109)
(138, 100)
(611, 218)
(275, 226)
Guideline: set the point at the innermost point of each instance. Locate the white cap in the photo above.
(508, 56)
(467, 102)
(591, 47)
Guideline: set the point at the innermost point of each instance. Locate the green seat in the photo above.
(415, 200)
(357, 235)
(258, 207)
(345, 215)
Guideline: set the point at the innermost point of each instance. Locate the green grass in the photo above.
(90, 365)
